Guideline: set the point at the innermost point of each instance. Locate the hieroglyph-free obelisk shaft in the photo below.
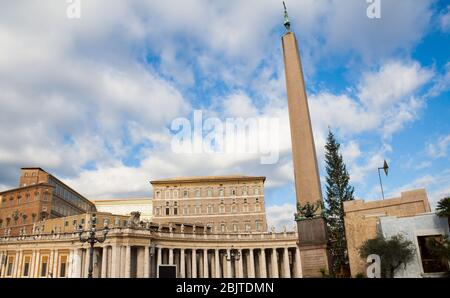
(306, 172)
(312, 232)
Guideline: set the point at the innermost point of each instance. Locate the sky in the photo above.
(92, 99)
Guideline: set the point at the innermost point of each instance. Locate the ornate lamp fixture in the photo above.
(92, 238)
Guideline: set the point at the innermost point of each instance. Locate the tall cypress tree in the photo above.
(338, 191)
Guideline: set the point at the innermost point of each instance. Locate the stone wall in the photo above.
(362, 218)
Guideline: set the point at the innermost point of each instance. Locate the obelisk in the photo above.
(312, 232)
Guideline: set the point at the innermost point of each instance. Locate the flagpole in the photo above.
(381, 184)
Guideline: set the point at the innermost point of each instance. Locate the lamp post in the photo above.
(234, 255)
(92, 238)
(386, 170)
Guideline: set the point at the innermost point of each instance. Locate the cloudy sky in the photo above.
(92, 100)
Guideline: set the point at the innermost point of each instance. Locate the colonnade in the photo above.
(132, 261)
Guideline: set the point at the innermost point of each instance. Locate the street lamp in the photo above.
(234, 255)
(386, 170)
(91, 238)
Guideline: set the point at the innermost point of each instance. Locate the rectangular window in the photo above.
(248, 227)
(26, 266)
(222, 228)
(167, 211)
(185, 193)
(235, 227)
(244, 191)
(197, 193)
(62, 266)
(258, 225)
(175, 211)
(210, 193)
(9, 270)
(221, 192)
(44, 266)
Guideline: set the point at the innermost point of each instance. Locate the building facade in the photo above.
(228, 204)
(126, 206)
(362, 220)
(39, 196)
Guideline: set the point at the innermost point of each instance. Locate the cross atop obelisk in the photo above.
(312, 232)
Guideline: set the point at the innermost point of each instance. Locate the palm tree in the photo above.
(443, 208)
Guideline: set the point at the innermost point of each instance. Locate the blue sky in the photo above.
(92, 99)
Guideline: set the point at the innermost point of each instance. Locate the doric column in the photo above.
(16, 264)
(123, 258)
(128, 261)
(205, 263)
(287, 270)
(158, 259)
(274, 263)
(55, 263)
(240, 265)
(50, 263)
(170, 256)
(182, 264)
(38, 261)
(86, 262)
(70, 265)
(262, 264)
(229, 273)
(194, 263)
(217, 261)
(115, 261)
(104, 261)
(146, 261)
(33, 256)
(298, 263)
(251, 264)
(3, 266)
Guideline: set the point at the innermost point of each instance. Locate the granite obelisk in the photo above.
(312, 232)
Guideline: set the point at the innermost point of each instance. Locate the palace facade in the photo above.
(39, 196)
(228, 204)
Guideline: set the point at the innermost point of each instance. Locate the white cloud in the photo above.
(439, 148)
(239, 105)
(79, 91)
(281, 216)
(444, 20)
